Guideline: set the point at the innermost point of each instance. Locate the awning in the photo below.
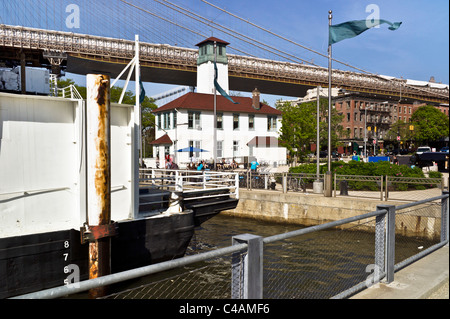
(163, 140)
(264, 141)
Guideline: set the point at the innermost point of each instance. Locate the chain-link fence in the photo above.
(209, 279)
(418, 228)
(318, 265)
(331, 260)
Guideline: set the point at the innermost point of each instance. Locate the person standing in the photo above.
(254, 166)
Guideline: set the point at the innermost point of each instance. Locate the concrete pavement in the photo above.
(427, 278)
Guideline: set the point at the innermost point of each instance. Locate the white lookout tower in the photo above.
(205, 65)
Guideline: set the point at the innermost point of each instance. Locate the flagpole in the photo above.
(137, 156)
(215, 113)
(328, 189)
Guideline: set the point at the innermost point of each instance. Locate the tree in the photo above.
(299, 126)
(430, 124)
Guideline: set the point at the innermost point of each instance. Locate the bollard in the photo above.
(98, 178)
(343, 188)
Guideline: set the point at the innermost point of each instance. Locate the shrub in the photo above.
(368, 169)
(434, 174)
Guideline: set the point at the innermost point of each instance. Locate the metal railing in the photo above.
(69, 92)
(331, 260)
(380, 187)
(190, 182)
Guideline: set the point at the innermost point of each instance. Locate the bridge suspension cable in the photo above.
(314, 51)
(231, 32)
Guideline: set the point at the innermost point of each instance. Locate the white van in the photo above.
(423, 149)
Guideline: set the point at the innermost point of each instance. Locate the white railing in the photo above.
(191, 182)
(70, 92)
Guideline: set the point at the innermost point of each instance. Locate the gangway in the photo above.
(207, 193)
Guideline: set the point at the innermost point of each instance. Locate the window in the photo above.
(251, 122)
(220, 121)
(159, 121)
(235, 148)
(219, 148)
(174, 119)
(271, 123)
(194, 120)
(348, 117)
(166, 120)
(235, 121)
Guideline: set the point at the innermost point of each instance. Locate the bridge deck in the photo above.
(176, 65)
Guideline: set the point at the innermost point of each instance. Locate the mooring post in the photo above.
(98, 178)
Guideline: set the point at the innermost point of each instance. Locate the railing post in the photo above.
(204, 179)
(284, 181)
(390, 241)
(247, 271)
(444, 217)
(334, 184)
(380, 240)
(386, 193)
(381, 188)
(178, 182)
(236, 187)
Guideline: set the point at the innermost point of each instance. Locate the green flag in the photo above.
(142, 95)
(351, 29)
(219, 88)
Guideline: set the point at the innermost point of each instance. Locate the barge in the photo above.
(44, 238)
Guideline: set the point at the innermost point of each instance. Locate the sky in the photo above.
(418, 50)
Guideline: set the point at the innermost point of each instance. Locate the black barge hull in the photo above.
(35, 262)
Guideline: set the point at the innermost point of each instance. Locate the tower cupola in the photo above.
(205, 65)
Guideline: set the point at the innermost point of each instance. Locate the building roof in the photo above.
(212, 39)
(264, 141)
(163, 140)
(205, 102)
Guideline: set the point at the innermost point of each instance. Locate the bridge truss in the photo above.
(178, 59)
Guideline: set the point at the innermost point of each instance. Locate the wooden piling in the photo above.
(98, 177)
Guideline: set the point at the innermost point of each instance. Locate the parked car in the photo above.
(444, 149)
(423, 149)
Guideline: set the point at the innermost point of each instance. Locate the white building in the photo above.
(244, 130)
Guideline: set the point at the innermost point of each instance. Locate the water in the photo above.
(317, 265)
